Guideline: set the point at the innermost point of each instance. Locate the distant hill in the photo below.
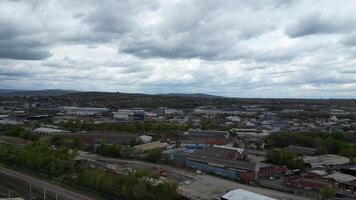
(5, 92)
(193, 95)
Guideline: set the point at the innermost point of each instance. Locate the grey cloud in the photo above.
(21, 41)
(205, 30)
(117, 16)
(349, 40)
(316, 23)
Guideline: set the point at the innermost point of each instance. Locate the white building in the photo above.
(145, 138)
(241, 194)
(126, 114)
(49, 131)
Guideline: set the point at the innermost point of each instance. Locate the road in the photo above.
(50, 188)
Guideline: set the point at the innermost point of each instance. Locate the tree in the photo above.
(327, 193)
(348, 152)
(154, 155)
(285, 157)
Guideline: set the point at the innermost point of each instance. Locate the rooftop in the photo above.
(241, 194)
(151, 146)
(341, 178)
(206, 157)
(326, 159)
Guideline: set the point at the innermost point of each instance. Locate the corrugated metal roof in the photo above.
(241, 194)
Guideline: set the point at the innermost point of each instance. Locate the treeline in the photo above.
(39, 157)
(287, 158)
(131, 186)
(333, 143)
(132, 127)
(43, 158)
(17, 131)
(124, 151)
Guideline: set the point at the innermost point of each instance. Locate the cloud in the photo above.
(231, 47)
(349, 40)
(316, 23)
(21, 38)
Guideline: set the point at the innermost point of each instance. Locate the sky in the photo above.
(235, 48)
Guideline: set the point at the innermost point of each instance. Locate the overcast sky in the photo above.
(240, 48)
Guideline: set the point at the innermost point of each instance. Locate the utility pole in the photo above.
(56, 197)
(44, 193)
(9, 194)
(30, 191)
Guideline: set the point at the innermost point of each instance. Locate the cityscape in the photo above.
(175, 146)
(177, 100)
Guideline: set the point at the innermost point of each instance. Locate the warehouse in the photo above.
(73, 110)
(241, 194)
(350, 170)
(143, 148)
(325, 160)
(210, 162)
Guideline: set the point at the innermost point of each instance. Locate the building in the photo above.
(341, 178)
(316, 174)
(213, 162)
(229, 152)
(16, 198)
(350, 170)
(49, 131)
(145, 138)
(267, 170)
(73, 110)
(209, 134)
(129, 114)
(325, 160)
(241, 194)
(305, 151)
(308, 184)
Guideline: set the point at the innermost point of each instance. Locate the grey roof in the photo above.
(302, 150)
(209, 134)
(210, 158)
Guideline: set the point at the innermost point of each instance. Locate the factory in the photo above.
(241, 194)
(73, 110)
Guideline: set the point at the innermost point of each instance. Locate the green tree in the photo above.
(154, 155)
(327, 193)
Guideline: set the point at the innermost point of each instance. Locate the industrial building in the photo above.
(49, 131)
(350, 169)
(241, 194)
(216, 163)
(73, 110)
(325, 160)
(205, 137)
(143, 148)
(306, 151)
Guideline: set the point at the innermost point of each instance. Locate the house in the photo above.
(306, 151)
(240, 194)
